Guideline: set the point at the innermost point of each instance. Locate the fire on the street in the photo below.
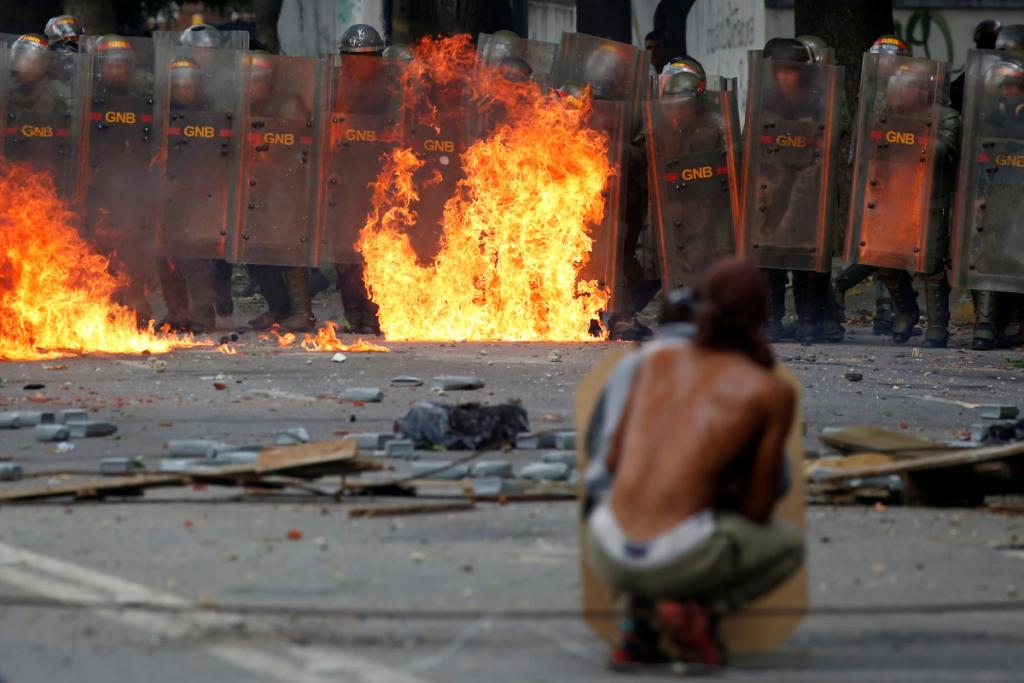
(516, 234)
(55, 291)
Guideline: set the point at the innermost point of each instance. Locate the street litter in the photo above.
(465, 426)
(457, 383)
(363, 394)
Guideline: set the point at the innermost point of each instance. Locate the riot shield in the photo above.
(121, 144)
(43, 115)
(988, 227)
(437, 125)
(277, 221)
(363, 115)
(790, 156)
(693, 173)
(539, 55)
(230, 40)
(616, 75)
(200, 108)
(895, 163)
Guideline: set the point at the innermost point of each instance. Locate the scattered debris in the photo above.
(853, 376)
(195, 448)
(363, 394)
(91, 429)
(33, 387)
(9, 472)
(48, 433)
(399, 448)
(565, 441)
(294, 535)
(439, 469)
(401, 510)
(532, 441)
(372, 441)
(546, 471)
(875, 439)
(554, 357)
(565, 457)
(339, 358)
(1000, 432)
(292, 436)
(999, 412)
(118, 466)
(406, 381)
(467, 426)
(457, 383)
(502, 469)
(494, 486)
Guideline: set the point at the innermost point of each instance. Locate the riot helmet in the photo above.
(985, 34)
(908, 88)
(115, 60)
(607, 73)
(787, 50)
(683, 63)
(1005, 78)
(261, 76)
(361, 39)
(889, 45)
(1011, 39)
(820, 51)
(63, 30)
(30, 58)
(201, 35)
(186, 77)
(682, 77)
(788, 77)
(515, 69)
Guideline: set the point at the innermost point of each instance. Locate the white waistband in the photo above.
(662, 549)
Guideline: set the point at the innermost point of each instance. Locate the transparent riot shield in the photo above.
(437, 124)
(790, 156)
(540, 56)
(230, 40)
(201, 114)
(988, 227)
(897, 157)
(616, 75)
(363, 123)
(693, 172)
(277, 220)
(44, 97)
(121, 143)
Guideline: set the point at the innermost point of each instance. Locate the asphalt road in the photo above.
(357, 599)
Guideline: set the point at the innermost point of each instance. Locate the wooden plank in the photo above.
(284, 458)
(872, 438)
(933, 461)
(402, 510)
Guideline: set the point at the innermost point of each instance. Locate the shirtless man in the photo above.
(686, 531)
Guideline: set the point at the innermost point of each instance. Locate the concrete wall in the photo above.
(313, 27)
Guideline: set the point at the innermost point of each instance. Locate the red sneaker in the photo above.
(690, 632)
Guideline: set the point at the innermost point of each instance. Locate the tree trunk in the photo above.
(851, 28)
(605, 18)
(267, 13)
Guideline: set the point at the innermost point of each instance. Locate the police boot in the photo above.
(776, 279)
(904, 300)
(360, 312)
(270, 281)
(882, 323)
(318, 282)
(832, 313)
(175, 291)
(806, 298)
(201, 276)
(301, 318)
(985, 333)
(223, 301)
(936, 303)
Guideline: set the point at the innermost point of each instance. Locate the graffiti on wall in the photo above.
(918, 33)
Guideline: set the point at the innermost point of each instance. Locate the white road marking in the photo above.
(59, 580)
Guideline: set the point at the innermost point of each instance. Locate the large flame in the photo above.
(516, 234)
(55, 291)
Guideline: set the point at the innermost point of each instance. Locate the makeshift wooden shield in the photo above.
(744, 631)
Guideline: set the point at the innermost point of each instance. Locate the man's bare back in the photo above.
(693, 413)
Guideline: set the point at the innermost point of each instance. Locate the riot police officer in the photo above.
(64, 32)
(285, 289)
(907, 93)
(118, 201)
(32, 89)
(362, 47)
(188, 284)
(792, 100)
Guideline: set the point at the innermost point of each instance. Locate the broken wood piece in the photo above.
(875, 439)
(933, 461)
(401, 510)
